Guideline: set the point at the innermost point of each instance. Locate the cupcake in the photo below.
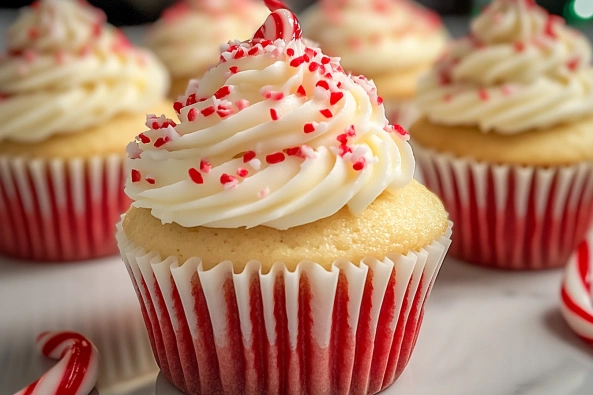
(283, 247)
(188, 35)
(73, 94)
(393, 42)
(506, 137)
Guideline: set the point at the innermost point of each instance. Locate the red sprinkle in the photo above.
(177, 106)
(144, 138)
(273, 95)
(326, 113)
(573, 64)
(295, 151)
(227, 178)
(290, 52)
(195, 176)
(191, 99)
(325, 60)
(192, 114)
(483, 93)
(400, 130)
(208, 111)
(550, 24)
(136, 176)
(314, 66)
(301, 91)
(359, 164)
(519, 46)
(275, 158)
(296, 62)
(253, 51)
(240, 53)
(150, 180)
(161, 141)
(309, 128)
(335, 98)
(241, 172)
(223, 92)
(248, 156)
(205, 166)
(234, 69)
(344, 149)
(323, 84)
(342, 138)
(33, 33)
(274, 114)
(379, 100)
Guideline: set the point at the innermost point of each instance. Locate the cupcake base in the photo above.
(511, 217)
(60, 209)
(350, 329)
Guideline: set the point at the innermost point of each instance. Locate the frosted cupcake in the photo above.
(266, 253)
(73, 92)
(187, 37)
(507, 141)
(393, 42)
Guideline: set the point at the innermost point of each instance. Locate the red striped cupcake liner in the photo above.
(576, 293)
(60, 210)
(511, 217)
(350, 330)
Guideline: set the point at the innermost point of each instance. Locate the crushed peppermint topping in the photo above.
(195, 176)
(205, 166)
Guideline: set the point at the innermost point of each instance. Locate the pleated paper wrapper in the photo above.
(401, 112)
(350, 330)
(58, 209)
(511, 217)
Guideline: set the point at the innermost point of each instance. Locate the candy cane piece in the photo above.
(77, 370)
(577, 302)
(281, 24)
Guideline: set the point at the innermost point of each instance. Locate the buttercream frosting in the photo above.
(276, 135)
(519, 69)
(66, 70)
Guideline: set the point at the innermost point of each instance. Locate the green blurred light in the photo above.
(583, 9)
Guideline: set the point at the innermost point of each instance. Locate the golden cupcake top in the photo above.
(188, 35)
(277, 134)
(66, 69)
(521, 68)
(376, 37)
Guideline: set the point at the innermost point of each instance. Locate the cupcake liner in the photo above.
(576, 293)
(58, 209)
(311, 331)
(401, 112)
(511, 217)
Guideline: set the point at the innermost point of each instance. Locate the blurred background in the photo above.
(133, 12)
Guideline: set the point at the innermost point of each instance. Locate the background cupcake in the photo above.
(187, 37)
(392, 42)
(73, 93)
(507, 141)
(266, 253)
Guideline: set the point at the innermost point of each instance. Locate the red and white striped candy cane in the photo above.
(281, 24)
(577, 301)
(77, 371)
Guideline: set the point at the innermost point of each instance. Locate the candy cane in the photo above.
(577, 302)
(281, 24)
(77, 371)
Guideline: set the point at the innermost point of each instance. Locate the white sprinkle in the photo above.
(255, 164)
(231, 185)
(133, 150)
(263, 193)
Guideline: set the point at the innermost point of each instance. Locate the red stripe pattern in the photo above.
(77, 370)
(511, 217)
(282, 24)
(350, 330)
(60, 210)
(576, 297)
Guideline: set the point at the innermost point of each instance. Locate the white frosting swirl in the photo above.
(376, 37)
(187, 38)
(294, 140)
(520, 69)
(67, 70)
